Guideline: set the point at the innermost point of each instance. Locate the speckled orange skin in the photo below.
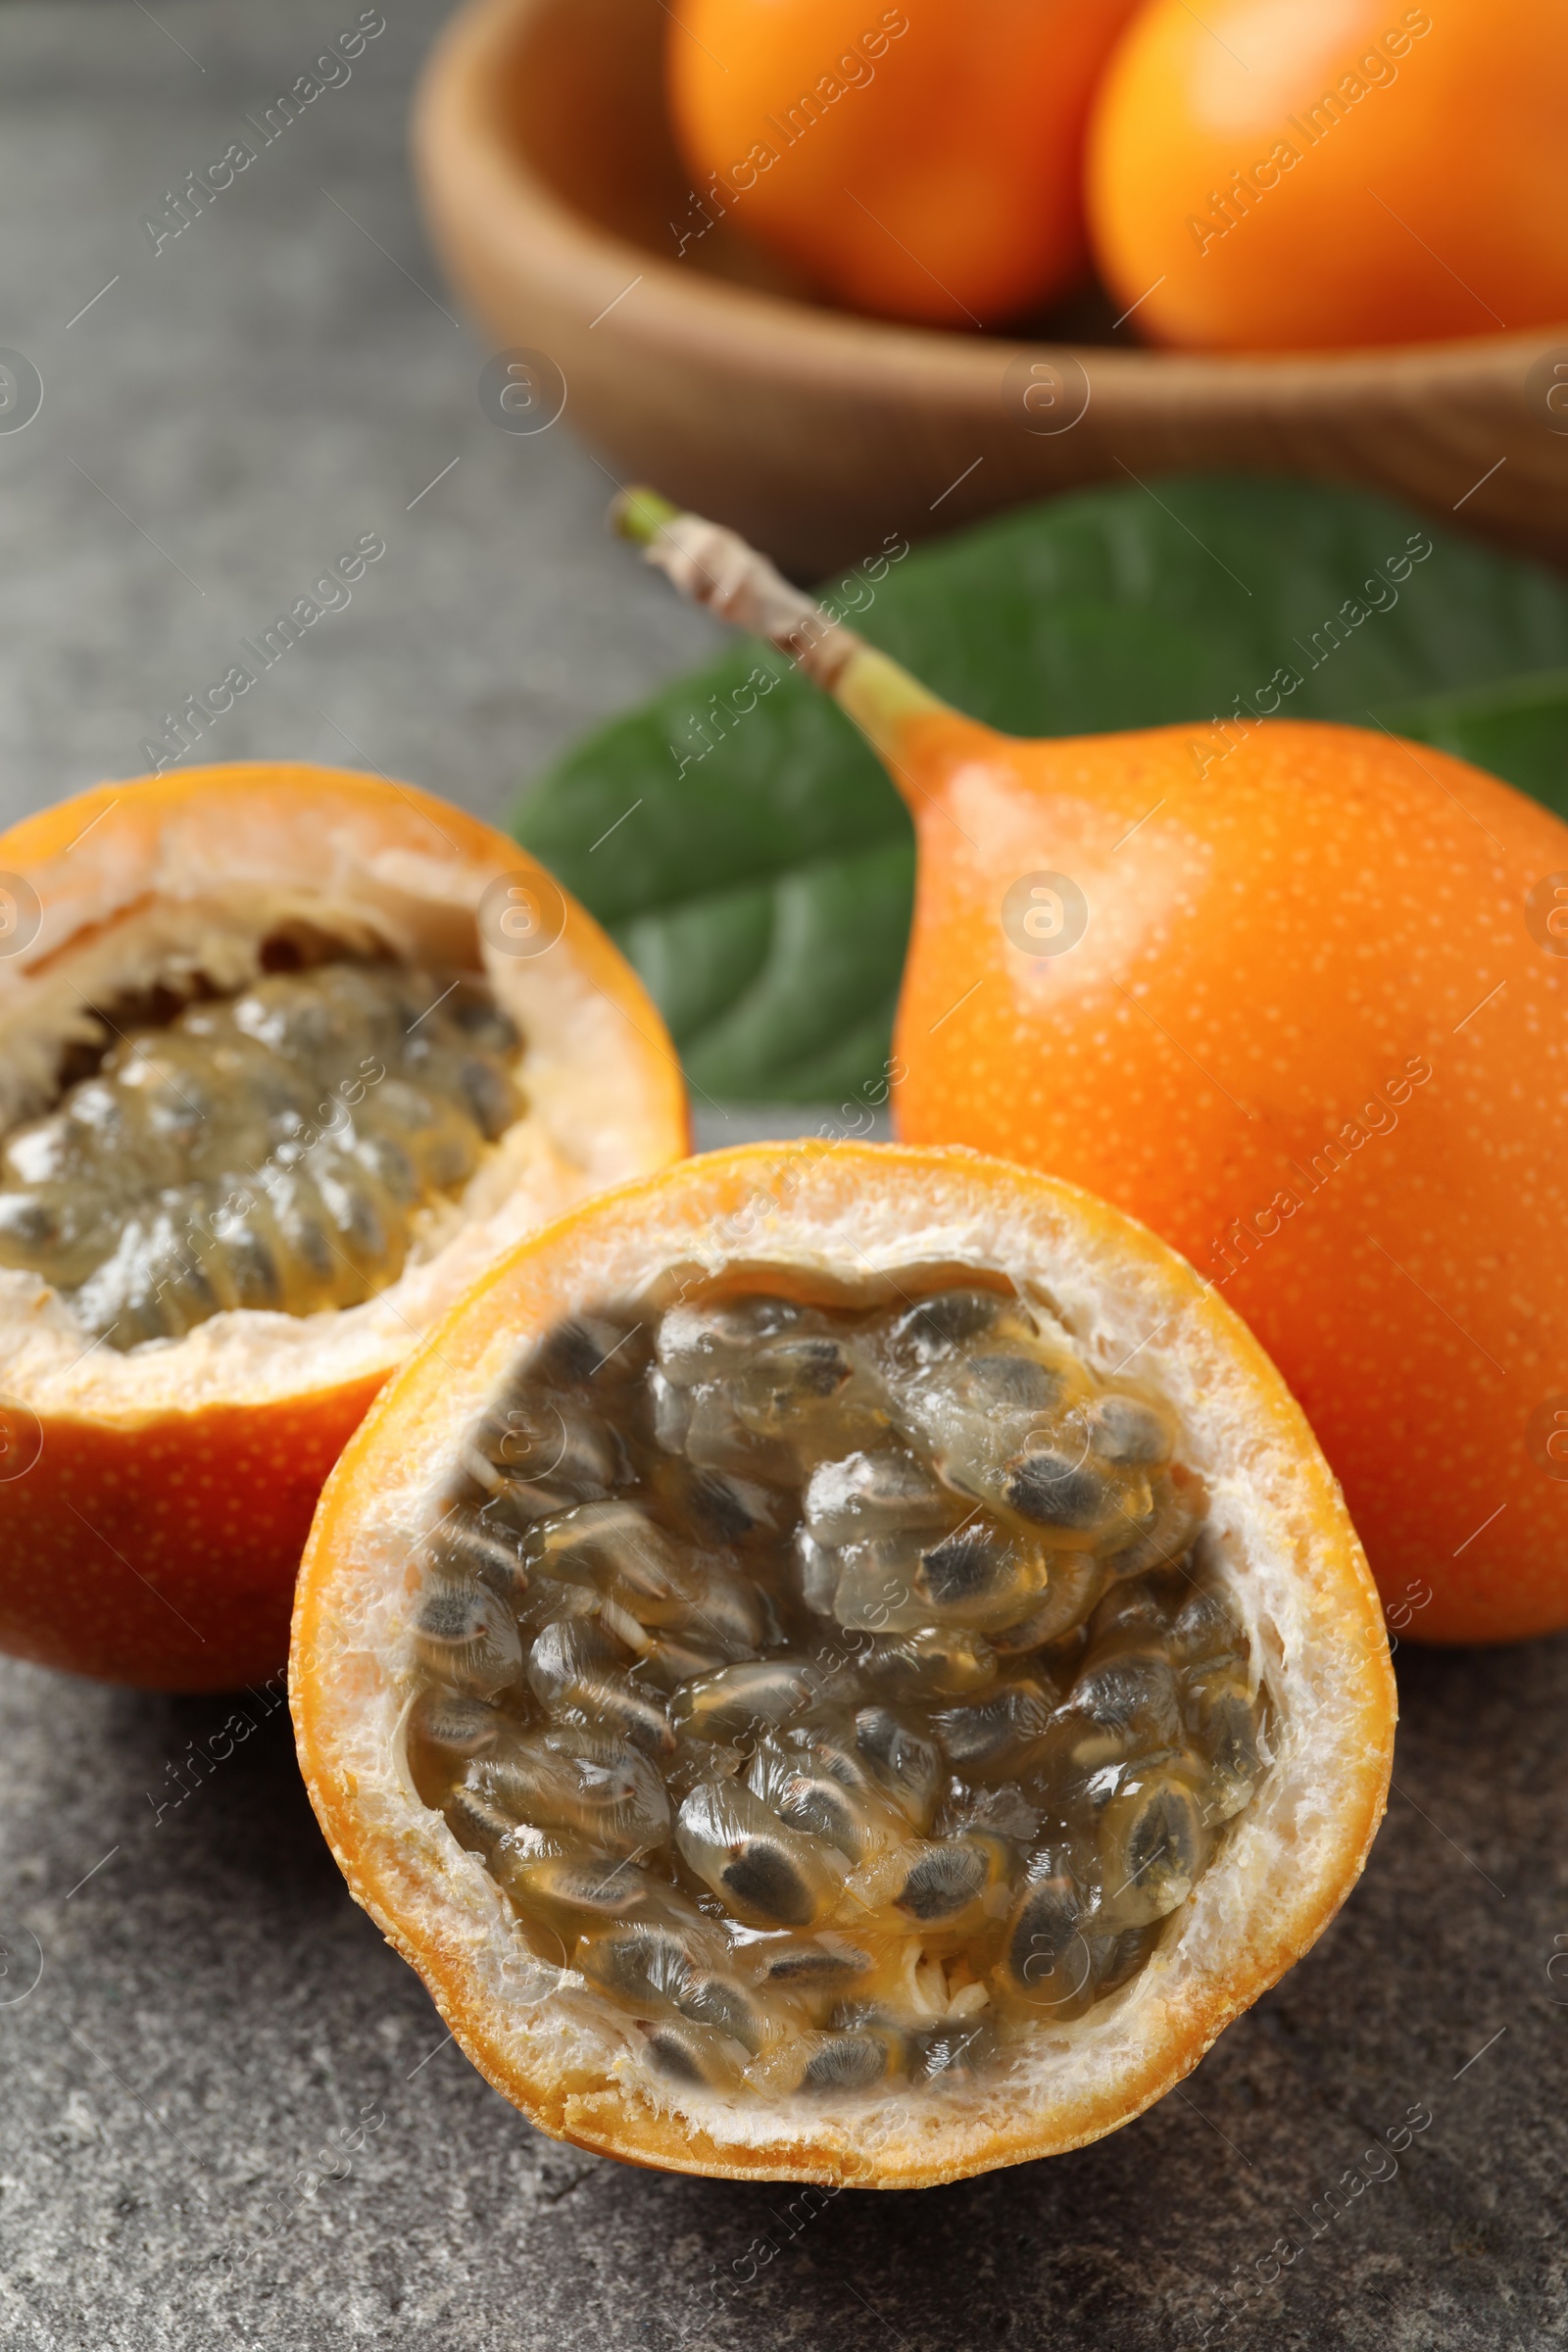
(161, 1548)
(1424, 201)
(920, 163)
(214, 1505)
(1285, 928)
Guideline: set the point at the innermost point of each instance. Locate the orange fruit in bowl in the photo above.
(287, 1055)
(1268, 176)
(1293, 994)
(919, 164)
(841, 1663)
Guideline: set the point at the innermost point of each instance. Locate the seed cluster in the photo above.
(831, 1678)
(270, 1150)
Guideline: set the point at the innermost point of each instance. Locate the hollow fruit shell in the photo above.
(153, 1505)
(856, 1212)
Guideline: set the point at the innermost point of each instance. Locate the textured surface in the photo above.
(257, 396)
(216, 2027)
(216, 2023)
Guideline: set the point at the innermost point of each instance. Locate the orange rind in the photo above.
(153, 1502)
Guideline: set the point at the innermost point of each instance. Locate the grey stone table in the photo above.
(228, 2113)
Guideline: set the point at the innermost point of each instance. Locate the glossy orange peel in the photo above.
(1294, 994)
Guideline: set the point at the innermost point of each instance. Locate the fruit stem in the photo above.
(715, 567)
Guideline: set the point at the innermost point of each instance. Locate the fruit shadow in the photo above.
(1475, 1723)
(225, 1801)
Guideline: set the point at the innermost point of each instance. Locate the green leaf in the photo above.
(1517, 730)
(750, 856)
(796, 977)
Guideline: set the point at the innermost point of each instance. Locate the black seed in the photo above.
(907, 1766)
(444, 1732)
(949, 1318)
(1161, 1848)
(467, 1544)
(647, 1964)
(1162, 1832)
(481, 1017)
(591, 1349)
(297, 1206)
(962, 1567)
(953, 2051)
(1164, 1537)
(568, 1651)
(1015, 1381)
(584, 1783)
(476, 1822)
(1049, 1620)
(1046, 1948)
(935, 1663)
(821, 1808)
(26, 1223)
(739, 1697)
(870, 1494)
(1116, 1958)
(1226, 1725)
(944, 1882)
(571, 1351)
(454, 1613)
(464, 1634)
(673, 1661)
(1122, 1429)
(698, 1340)
(816, 1967)
(671, 2054)
(719, 2001)
(807, 1367)
(350, 1203)
(728, 1508)
(1054, 1490)
(251, 1267)
(1134, 1694)
(995, 1730)
(613, 1702)
(462, 1727)
(608, 1887)
(765, 1879)
(489, 1094)
(1203, 1628)
(390, 1165)
(1133, 1608)
(849, 2062)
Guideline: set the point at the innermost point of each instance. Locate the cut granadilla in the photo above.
(844, 1664)
(287, 1056)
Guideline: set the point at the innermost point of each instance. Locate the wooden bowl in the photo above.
(556, 197)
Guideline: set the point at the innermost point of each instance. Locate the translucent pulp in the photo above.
(835, 1680)
(273, 1149)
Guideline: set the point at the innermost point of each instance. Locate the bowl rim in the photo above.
(458, 135)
